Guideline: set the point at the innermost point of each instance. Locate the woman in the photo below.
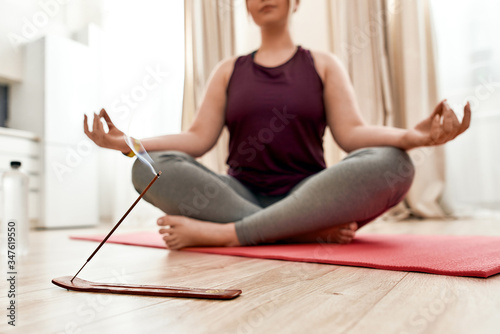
(276, 103)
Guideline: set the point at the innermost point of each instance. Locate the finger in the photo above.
(450, 123)
(447, 130)
(456, 123)
(439, 109)
(89, 133)
(86, 125)
(436, 130)
(100, 127)
(106, 117)
(95, 123)
(466, 119)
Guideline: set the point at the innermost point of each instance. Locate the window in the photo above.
(469, 70)
(469, 52)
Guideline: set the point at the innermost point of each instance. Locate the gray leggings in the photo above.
(358, 189)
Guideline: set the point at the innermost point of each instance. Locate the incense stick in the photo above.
(119, 222)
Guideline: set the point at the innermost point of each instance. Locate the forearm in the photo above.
(371, 135)
(187, 142)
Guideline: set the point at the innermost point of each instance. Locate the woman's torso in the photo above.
(276, 120)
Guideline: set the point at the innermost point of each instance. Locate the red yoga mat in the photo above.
(477, 256)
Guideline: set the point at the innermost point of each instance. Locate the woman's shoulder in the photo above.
(325, 57)
(224, 68)
(226, 64)
(326, 63)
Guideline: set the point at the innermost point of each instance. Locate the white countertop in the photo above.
(18, 133)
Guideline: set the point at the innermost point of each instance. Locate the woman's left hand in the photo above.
(440, 127)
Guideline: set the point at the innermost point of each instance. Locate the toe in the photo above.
(346, 233)
(174, 245)
(171, 242)
(162, 221)
(344, 240)
(174, 221)
(164, 230)
(167, 237)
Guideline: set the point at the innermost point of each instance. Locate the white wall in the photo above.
(139, 38)
(310, 25)
(132, 39)
(27, 20)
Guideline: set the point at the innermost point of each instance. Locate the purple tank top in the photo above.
(276, 121)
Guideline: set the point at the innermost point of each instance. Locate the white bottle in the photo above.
(15, 222)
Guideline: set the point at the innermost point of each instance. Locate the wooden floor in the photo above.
(278, 296)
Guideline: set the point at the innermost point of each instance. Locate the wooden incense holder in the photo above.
(79, 284)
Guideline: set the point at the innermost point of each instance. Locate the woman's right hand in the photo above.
(113, 139)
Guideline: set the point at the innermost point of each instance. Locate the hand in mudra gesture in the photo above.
(112, 139)
(439, 128)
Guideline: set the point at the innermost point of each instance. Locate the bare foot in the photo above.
(340, 234)
(180, 231)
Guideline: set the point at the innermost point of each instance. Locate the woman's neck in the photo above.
(276, 39)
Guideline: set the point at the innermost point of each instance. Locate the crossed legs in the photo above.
(207, 209)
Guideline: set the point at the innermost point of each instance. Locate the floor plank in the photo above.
(278, 296)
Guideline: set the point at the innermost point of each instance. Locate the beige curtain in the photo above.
(412, 46)
(387, 47)
(209, 38)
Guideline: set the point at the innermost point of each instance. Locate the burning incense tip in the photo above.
(141, 153)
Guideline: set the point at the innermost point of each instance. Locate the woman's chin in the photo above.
(270, 22)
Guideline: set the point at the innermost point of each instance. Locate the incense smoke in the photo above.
(139, 150)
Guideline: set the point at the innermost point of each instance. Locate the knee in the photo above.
(391, 166)
(398, 170)
(169, 162)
